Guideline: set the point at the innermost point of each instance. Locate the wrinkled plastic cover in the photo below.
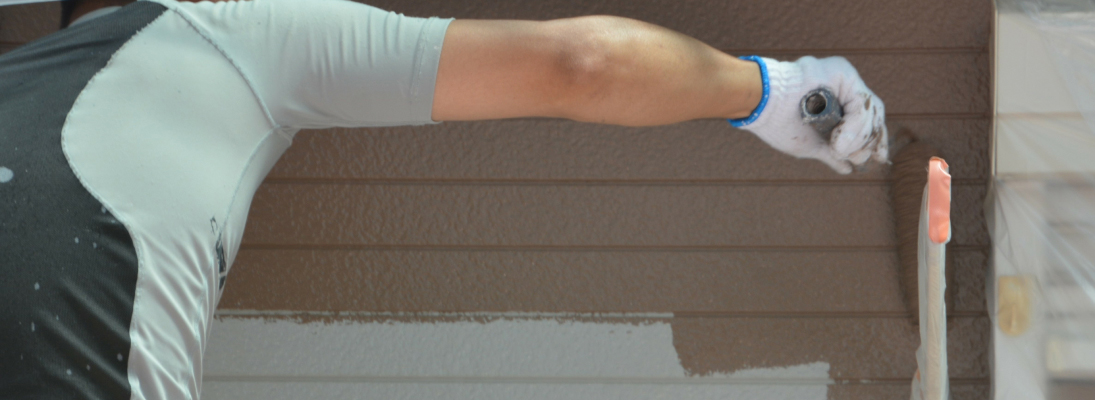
(1041, 205)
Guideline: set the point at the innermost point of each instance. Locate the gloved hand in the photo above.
(777, 120)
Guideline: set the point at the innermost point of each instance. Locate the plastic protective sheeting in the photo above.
(931, 381)
(1041, 207)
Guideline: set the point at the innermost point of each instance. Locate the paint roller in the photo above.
(821, 110)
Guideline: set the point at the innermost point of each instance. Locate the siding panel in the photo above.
(578, 215)
(26, 22)
(774, 24)
(566, 281)
(547, 150)
(797, 25)
(336, 391)
(502, 391)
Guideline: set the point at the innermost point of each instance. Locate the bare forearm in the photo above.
(634, 73)
(620, 71)
(597, 69)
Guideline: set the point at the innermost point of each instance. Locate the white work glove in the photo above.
(778, 120)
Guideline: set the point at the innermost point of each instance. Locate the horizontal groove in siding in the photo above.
(816, 51)
(591, 182)
(621, 317)
(444, 316)
(827, 315)
(877, 51)
(584, 249)
(943, 115)
(900, 391)
(853, 381)
(839, 391)
(577, 380)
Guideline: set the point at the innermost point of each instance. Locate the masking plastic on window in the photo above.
(1041, 203)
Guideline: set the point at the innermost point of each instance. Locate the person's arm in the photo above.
(625, 72)
(595, 69)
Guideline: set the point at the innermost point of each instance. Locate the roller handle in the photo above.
(822, 111)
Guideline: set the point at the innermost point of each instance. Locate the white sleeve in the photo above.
(328, 63)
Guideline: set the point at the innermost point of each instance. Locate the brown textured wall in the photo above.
(764, 260)
(835, 283)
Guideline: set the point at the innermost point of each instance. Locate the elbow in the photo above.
(587, 64)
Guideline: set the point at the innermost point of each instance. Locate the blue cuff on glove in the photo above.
(740, 122)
